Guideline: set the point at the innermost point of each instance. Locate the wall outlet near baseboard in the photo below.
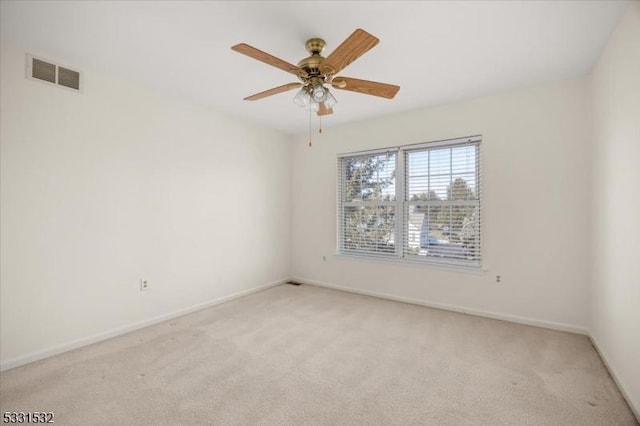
(144, 285)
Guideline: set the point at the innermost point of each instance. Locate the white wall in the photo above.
(535, 158)
(615, 301)
(101, 189)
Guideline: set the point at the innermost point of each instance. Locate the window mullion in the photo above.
(400, 204)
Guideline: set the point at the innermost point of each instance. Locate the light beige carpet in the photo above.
(307, 355)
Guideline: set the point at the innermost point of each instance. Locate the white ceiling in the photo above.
(437, 51)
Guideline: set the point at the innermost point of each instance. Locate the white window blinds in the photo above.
(431, 214)
(367, 203)
(442, 203)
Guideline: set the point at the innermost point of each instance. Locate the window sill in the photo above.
(451, 267)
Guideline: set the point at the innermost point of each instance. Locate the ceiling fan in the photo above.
(316, 71)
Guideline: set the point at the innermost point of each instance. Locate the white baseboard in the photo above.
(616, 378)
(487, 314)
(88, 340)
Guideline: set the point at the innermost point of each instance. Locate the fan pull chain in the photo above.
(310, 126)
(320, 129)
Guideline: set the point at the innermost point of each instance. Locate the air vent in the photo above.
(69, 78)
(49, 72)
(43, 71)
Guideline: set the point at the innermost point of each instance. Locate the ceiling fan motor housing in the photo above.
(310, 65)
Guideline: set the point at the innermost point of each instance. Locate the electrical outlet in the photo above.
(498, 278)
(324, 258)
(144, 285)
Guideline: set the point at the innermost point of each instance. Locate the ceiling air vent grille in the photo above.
(49, 72)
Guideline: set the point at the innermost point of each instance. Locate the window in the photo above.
(416, 202)
(368, 202)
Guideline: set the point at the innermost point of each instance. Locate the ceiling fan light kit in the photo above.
(302, 98)
(319, 93)
(316, 71)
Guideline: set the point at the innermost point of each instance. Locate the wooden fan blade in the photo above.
(367, 87)
(275, 90)
(324, 110)
(261, 56)
(356, 45)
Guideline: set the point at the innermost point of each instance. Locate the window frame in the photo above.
(403, 204)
